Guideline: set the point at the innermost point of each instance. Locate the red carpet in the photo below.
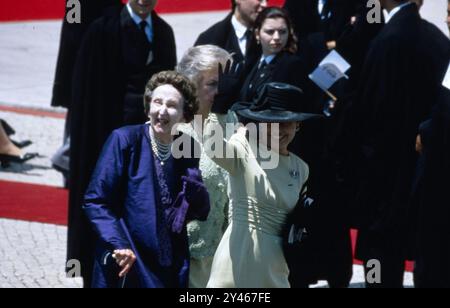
(49, 205)
(409, 265)
(54, 9)
(33, 203)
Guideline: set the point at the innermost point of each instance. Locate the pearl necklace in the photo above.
(162, 151)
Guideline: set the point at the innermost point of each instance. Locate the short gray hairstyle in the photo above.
(201, 59)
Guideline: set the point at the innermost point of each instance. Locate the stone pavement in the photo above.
(33, 256)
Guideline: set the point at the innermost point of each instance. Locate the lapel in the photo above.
(130, 27)
(137, 41)
(265, 74)
(232, 43)
(401, 21)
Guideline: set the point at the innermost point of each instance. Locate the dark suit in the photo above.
(335, 16)
(432, 267)
(71, 38)
(285, 67)
(223, 35)
(401, 77)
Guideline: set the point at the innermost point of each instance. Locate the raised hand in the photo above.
(230, 82)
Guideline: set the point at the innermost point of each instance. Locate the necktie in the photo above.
(260, 74)
(262, 65)
(143, 26)
(148, 48)
(248, 42)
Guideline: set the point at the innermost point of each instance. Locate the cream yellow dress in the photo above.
(204, 236)
(250, 253)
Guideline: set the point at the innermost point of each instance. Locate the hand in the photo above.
(419, 145)
(230, 81)
(125, 258)
(331, 45)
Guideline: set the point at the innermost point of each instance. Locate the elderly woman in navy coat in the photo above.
(141, 197)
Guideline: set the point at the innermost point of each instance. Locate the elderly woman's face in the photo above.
(166, 109)
(207, 90)
(273, 35)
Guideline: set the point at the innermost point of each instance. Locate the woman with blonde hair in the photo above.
(200, 64)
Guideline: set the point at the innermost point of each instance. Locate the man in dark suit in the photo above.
(433, 249)
(119, 54)
(400, 82)
(235, 32)
(433, 239)
(71, 37)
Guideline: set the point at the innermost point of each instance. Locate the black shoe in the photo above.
(6, 160)
(8, 129)
(22, 144)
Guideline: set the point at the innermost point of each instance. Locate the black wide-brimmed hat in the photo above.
(276, 103)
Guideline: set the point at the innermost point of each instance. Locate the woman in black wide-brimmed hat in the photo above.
(265, 181)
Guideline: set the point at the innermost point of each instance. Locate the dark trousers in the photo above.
(392, 273)
(387, 251)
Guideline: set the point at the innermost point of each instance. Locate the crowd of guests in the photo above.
(376, 161)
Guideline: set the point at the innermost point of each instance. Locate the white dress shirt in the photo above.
(392, 13)
(240, 31)
(321, 4)
(137, 19)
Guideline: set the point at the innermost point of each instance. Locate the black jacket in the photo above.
(400, 82)
(336, 13)
(71, 38)
(222, 34)
(286, 67)
(433, 249)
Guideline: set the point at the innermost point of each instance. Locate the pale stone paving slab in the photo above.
(32, 257)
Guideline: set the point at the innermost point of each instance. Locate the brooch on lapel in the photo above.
(294, 174)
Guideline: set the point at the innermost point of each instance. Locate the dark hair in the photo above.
(179, 82)
(277, 12)
(233, 5)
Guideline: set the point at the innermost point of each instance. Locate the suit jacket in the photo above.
(222, 34)
(401, 80)
(336, 16)
(432, 270)
(70, 42)
(285, 67)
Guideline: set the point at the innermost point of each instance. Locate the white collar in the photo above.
(268, 59)
(392, 13)
(137, 19)
(239, 28)
(321, 5)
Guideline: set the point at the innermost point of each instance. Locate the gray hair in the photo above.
(201, 59)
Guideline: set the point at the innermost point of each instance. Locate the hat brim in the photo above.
(272, 116)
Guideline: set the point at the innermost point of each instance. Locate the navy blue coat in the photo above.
(121, 205)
